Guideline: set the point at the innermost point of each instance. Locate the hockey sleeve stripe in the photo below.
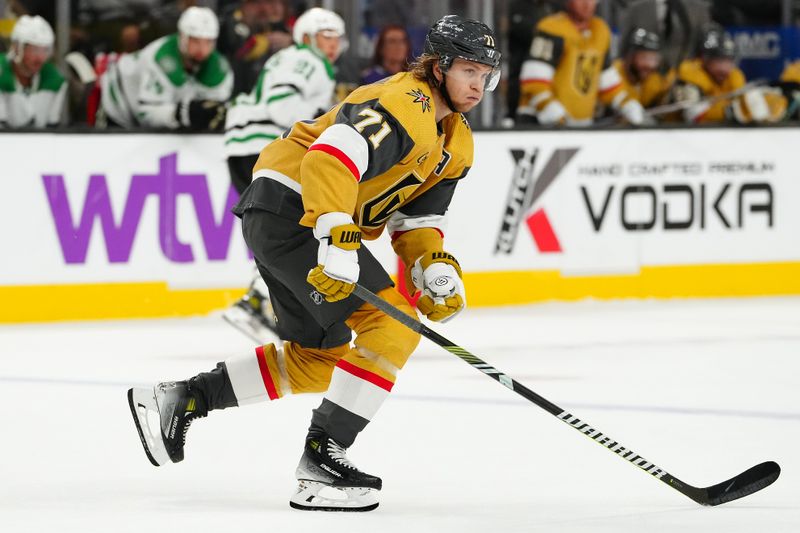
(280, 178)
(536, 72)
(401, 222)
(609, 80)
(345, 144)
(290, 86)
(359, 391)
(619, 99)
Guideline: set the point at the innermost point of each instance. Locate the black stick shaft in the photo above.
(694, 493)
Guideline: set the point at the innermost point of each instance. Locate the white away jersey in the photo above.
(39, 106)
(295, 84)
(144, 88)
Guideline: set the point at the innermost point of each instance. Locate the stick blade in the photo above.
(745, 484)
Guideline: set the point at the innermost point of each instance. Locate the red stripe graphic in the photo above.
(537, 80)
(543, 233)
(341, 156)
(265, 375)
(366, 375)
(609, 89)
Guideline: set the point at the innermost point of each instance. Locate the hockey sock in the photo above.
(212, 390)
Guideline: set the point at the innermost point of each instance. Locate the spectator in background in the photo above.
(32, 90)
(523, 16)
(106, 26)
(569, 70)
(678, 23)
(714, 90)
(382, 13)
(392, 54)
(747, 12)
(179, 80)
(252, 32)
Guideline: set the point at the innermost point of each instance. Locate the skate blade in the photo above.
(250, 326)
(316, 496)
(142, 402)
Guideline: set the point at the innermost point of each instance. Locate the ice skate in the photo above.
(162, 416)
(253, 316)
(328, 481)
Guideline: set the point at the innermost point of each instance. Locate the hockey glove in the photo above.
(337, 268)
(438, 276)
(201, 115)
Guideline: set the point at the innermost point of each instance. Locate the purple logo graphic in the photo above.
(166, 184)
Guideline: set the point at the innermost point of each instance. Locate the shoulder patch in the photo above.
(50, 78)
(168, 59)
(421, 98)
(214, 70)
(6, 75)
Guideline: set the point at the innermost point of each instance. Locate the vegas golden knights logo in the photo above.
(585, 69)
(378, 209)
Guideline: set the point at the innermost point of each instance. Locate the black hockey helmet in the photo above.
(642, 39)
(454, 37)
(718, 44)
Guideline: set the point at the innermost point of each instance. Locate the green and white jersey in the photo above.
(295, 84)
(39, 105)
(145, 88)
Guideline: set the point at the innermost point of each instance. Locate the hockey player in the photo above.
(639, 69)
(389, 156)
(32, 90)
(296, 83)
(714, 89)
(570, 68)
(176, 81)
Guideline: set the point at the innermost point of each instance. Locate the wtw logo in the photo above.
(167, 184)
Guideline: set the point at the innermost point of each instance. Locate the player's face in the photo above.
(329, 44)
(719, 68)
(466, 81)
(582, 10)
(197, 50)
(259, 13)
(645, 62)
(33, 58)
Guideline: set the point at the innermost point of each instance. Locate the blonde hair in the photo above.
(422, 68)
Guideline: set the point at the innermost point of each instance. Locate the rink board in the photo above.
(128, 225)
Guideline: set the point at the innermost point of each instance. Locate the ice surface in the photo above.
(705, 389)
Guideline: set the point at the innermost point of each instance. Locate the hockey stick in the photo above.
(684, 104)
(746, 483)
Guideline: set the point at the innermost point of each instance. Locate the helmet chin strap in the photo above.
(445, 94)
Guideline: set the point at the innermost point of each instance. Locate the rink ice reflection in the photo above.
(702, 388)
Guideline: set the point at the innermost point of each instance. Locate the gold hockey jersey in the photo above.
(791, 73)
(570, 67)
(380, 156)
(651, 91)
(695, 85)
